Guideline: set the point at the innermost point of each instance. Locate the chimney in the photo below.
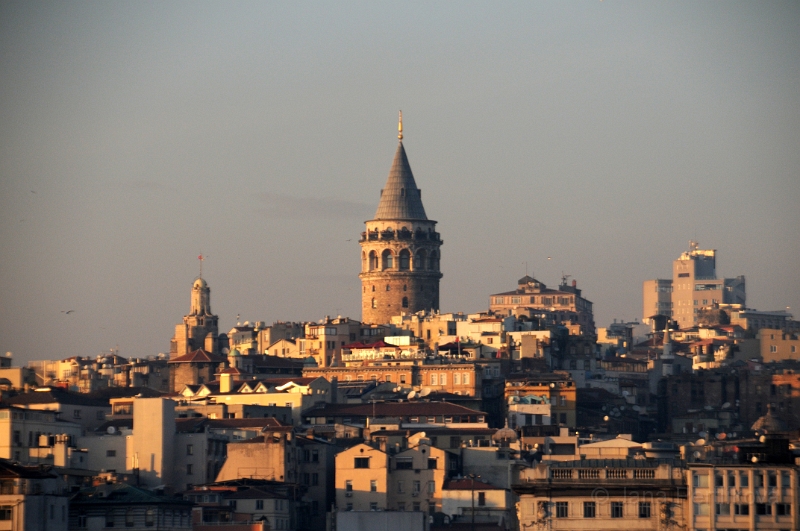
(225, 382)
(60, 450)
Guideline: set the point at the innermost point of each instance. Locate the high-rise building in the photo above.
(399, 249)
(694, 286)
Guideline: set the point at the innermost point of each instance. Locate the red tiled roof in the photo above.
(254, 422)
(392, 409)
(198, 356)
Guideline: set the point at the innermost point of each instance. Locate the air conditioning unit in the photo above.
(348, 494)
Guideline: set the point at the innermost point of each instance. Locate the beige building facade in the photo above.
(694, 286)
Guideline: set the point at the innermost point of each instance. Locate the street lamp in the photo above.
(472, 496)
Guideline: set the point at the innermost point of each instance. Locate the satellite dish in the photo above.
(696, 455)
(700, 442)
(622, 408)
(425, 391)
(726, 405)
(637, 408)
(708, 408)
(111, 430)
(722, 436)
(412, 394)
(703, 434)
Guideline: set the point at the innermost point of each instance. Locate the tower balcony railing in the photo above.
(389, 234)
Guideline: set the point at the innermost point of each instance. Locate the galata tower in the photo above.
(399, 250)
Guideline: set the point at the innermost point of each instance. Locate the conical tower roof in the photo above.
(400, 198)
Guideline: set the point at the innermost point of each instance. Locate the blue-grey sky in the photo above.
(604, 135)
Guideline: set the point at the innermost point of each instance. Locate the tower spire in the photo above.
(400, 127)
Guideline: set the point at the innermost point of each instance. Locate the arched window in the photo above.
(364, 263)
(433, 263)
(373, 289)
(388, 287)
(374, 303)
(405, 260)
(405, 288)
(419, 261)
(405, 302)
(387, 259)
(373, 260)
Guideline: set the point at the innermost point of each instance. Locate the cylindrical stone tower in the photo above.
(399, 250)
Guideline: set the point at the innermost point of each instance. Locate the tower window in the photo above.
(373, 260)
(419, 261)
(405, 302)
(373, 288)
(374, 303)
(405, 288)
(387, 259)
(405, 260)
(388, 287)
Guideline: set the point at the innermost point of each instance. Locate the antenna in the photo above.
(201, 258)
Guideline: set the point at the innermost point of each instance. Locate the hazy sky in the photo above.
(604, 135)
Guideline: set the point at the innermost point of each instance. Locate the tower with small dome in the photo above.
(199, 329)
(399, 250)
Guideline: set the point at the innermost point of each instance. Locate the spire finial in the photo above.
(201, 258)
(400, 127)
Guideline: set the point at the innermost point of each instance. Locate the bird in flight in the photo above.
(67, 311)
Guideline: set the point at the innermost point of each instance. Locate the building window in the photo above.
(433, 379)
(259, 505)
(349, 507)
(701, 509)
(405, 302)
(373, 506)
(400, 487)
(348, 485)
(442, 379)
(361, 462)
(722, 509)
(111, 453)
(6, 511)
(314, 479)
(562, 509)
(388, 287)
(616, 509)
(783, 509)
(432, 463)
(401, 506)
(481, 499)
(405, 259)
(149, 517)
(589, 509)
(129, 518)
(456, 379)
(465, 379)
(644, 510)
(189, 449)
(387, 259)
(373, 485)
(109, 518)
(374, 303)
(773, 348)
(76, 414)
(763, 509)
